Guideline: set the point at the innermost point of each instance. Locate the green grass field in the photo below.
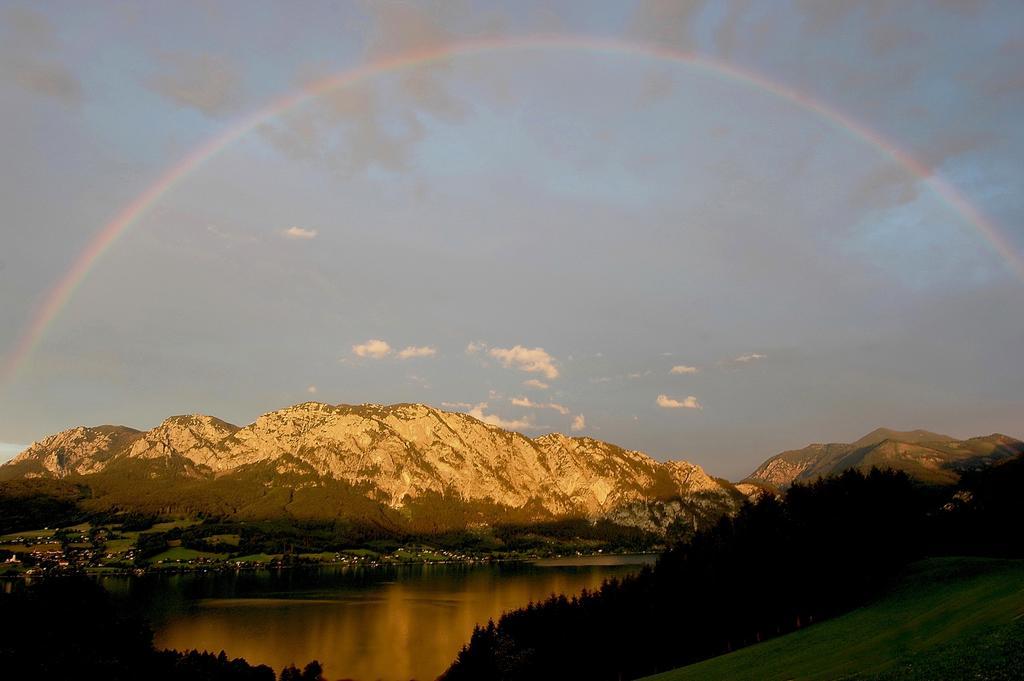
(224, 539)
(121, 545)
(27, 534)
(174, 524)
(256, 558)
(950, 618)
(181, 553)
(325, 556)
(362, 553)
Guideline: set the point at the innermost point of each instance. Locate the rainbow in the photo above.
(63, 290)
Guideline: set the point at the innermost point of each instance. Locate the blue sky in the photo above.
(582, 221)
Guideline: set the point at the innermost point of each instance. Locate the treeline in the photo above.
(291, 537)
(778, 565)
(280, 515)
(70, 628)
(31, 504)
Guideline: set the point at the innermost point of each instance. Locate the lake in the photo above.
(365, 623)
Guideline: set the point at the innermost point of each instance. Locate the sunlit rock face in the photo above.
(78, 451)
(195, 437)
(401, 452)
(929, 457)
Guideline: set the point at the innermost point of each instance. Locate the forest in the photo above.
(779, 565)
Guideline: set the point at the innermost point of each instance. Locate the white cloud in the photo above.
(683, 369)
(530, 360)
(456, 405)
(477, 412)
(373, 348)
(417, 351)
(299, 233)
(229, 236)
(311, 390)
(638, 374)
(579, 423)
(666, 402)
(419, 380)
(475, 346)
(749, 357)
(536, 383)
(530, 404)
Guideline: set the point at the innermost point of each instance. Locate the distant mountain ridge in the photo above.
(929, 457)
(395, 456)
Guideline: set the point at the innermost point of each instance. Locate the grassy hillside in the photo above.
(947, 618)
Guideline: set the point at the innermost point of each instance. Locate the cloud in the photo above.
(578, 423)
(536, 383)
(477, 412)
(417, 351)
(376, 348)
(665, 21)
(29, 41)
(419, 380)
(370, 125)
(230, 236)
(206, 82)
(666, 402)
(726, 37)
(954, 143)
(373, 348)
(530, 360)
(475, 346)
(299, 233)
(401, 27)
(683, 369)
(887, 185)
(823, 16)
(457, 405)
(311, 390)
(530, 404)
(45, 78)
(749, 357)
(367, 139)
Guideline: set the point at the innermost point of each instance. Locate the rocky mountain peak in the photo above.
(926, 456)
(79, 450)
(398, 452)
(913, 436)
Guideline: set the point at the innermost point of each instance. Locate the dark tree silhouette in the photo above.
(778, 565)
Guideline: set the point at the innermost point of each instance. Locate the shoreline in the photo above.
(223, 567)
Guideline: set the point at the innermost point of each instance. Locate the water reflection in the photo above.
(392, 624)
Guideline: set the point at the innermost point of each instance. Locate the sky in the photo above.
(810, 227)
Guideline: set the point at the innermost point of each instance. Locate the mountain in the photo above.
(377, 461)
(929, 457)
